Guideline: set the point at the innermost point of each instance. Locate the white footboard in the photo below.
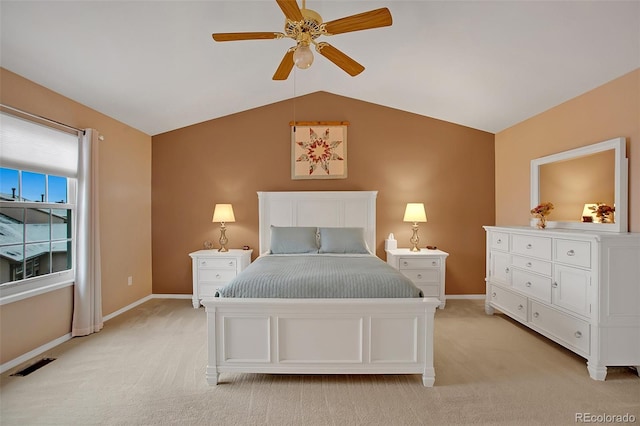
(321, 336)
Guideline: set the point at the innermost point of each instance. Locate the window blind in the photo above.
(26, 145)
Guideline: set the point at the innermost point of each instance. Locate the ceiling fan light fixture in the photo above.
(303, 57)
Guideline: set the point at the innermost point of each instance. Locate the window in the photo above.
(37, 208)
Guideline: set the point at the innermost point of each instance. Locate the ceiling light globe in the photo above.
(303, 57)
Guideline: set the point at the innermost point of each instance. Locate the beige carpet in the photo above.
(146, 367)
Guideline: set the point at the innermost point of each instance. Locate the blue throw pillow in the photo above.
(342, 240)
(293, 239)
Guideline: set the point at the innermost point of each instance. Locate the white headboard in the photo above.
(317, 208)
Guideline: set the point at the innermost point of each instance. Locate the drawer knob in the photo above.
(499, 241)
(217, 275)
(554, 285)
(528, 284)
(529, 246)
(571, 253)
(204, 262)
(506, 270)
(493, 294)
(536, 314)
(529, 265)
(520, 307)
(231, 263)
(405, 263)
(434, 263)
(419, 276)
(578, 334)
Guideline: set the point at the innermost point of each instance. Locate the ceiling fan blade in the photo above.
(245, 36)
(291, 10)
(285, 67)
(362, 21)
(350, 66)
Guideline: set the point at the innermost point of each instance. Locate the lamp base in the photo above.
(223, 238)
(414, 238)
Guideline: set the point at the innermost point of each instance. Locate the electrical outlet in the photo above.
(130, 280)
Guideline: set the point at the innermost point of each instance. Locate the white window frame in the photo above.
(25, 288)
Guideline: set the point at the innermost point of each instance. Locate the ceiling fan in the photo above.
(305, 26)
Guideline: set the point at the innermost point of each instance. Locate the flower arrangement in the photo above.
(603, 212)
(541, 211)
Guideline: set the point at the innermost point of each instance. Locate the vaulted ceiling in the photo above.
(484, 64)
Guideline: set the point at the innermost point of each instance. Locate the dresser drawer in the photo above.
(528, 245)
(418, 263)
(422, 275)
(217, 263)
(533, 265)
(499, 241)
(572, 331)
(512, 303)
(213, 275)
(572, 252)
(532, 284)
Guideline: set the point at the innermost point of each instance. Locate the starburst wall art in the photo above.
(319, 150)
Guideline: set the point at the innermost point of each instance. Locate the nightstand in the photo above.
(426, 268)
(213, 269)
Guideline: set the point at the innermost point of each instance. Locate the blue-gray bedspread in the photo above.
(320, 276)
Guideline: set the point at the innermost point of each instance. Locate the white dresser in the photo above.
(580, 289)
(426, 268)
(213, 269)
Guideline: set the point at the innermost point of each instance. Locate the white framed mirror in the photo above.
(573, 179)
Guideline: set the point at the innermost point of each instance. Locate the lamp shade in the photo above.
(223, 213)
(415, 213)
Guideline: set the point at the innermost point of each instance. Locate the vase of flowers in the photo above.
(604, 212)
(541, 211)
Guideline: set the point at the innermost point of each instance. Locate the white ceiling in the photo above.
(484, 64)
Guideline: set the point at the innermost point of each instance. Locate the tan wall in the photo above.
(406, 157)
(125, 212)
(609, 111)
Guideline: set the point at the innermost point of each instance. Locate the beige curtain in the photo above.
(87, 302)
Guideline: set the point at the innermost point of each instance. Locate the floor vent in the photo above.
(33, 367)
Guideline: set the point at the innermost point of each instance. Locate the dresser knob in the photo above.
(434, 263)
(217, 275)
(578, 334)
(554, 285)
(506, 270)
(405, 263)
(529, 265)
(419, 276)
(520, 307)
(528, 284)
(536, 315)
(231, 263)
(493, 294)
(204, 263)
(499, 241)
(571, 253)
(529, 246)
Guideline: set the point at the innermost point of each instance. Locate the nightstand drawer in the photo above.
(208, 289)
(422, 275)
(418, 263)
(430, 290)
(217, 263)
(220, 275)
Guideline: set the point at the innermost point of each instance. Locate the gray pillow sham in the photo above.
(293, 239)
(342, 240)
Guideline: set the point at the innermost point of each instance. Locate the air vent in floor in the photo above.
(33, 367)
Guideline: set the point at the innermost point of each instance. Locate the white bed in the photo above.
(320, 336)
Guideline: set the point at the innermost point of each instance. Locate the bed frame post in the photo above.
(212, 374)
(429, 374)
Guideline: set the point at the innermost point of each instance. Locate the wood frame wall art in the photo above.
(319, 149)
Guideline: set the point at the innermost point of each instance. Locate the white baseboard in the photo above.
(52, 344)
(34, 353)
